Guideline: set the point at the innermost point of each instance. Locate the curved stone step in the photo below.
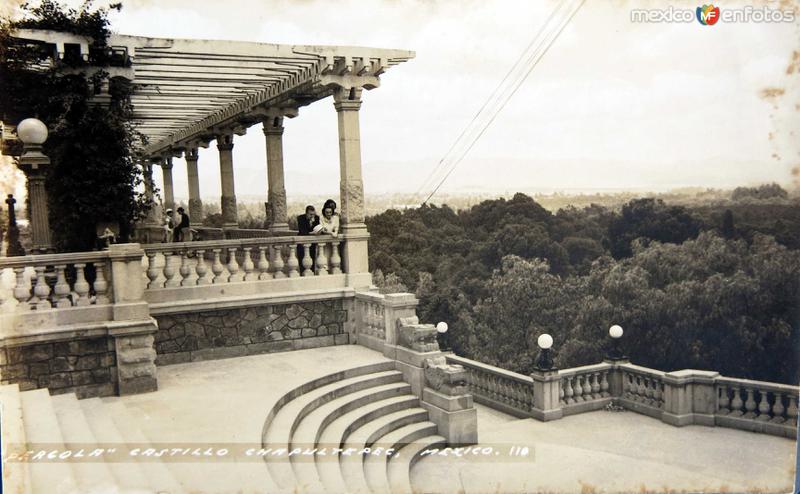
(129, 475)
(336, 433)
(375, 466)
(278, 434)
(158, 475)
(92, 476)
(352, 468)
(43, 431)
(399, 467)
(16, 476)
(313, 425)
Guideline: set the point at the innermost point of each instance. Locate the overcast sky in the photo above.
(613, 104)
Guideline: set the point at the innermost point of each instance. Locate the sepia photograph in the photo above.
(399, 246)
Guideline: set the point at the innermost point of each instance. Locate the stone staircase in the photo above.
(364, 407)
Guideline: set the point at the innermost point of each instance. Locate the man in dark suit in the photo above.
(305, 226)
(307, 222)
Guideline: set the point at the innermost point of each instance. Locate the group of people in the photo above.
(177, 229)
(313, 224)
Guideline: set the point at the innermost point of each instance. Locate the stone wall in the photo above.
(237, 332)
(86, 367)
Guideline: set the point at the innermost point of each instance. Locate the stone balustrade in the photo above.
(371, 315)
(755, 405)
(584, 388)
(58, 281)
(497, 388)
(642, 389)
(172, 265)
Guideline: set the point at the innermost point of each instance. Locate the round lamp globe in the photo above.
(544, 341)
(615, 331)
(442, 327)
(32, 131)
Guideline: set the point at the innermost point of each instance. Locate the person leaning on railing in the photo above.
(308, 224)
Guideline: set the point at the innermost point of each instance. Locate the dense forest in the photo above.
(706, 286)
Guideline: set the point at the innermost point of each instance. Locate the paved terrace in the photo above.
(227, 401)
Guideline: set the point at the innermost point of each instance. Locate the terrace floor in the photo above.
(227, 400)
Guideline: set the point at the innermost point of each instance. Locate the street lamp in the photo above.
(441, 329)
(615, 332)
(33, 133)
(545, 360)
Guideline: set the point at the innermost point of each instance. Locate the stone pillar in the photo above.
(195, 203)
(396, 306)
(276, 190)
(169, 194)
(347, 102)
(546, 402)
(228, 199)
(689, 397)
(133, 329)
(38, 212)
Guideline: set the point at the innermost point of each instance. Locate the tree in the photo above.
(93, 176)
(650, 219)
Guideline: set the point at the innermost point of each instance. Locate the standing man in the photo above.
(183, 232)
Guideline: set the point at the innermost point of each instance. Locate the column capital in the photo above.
(225, 141)
(191, 154)
(273, 126)
(166, 163)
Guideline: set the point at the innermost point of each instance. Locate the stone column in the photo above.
(228, 199)
(276, 190)
(169, 194)
(347, 102)
(195, 203)
(33, 162)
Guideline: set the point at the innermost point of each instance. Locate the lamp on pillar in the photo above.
(545, 361)
(441, 330)
(33, 133)
(615, 353)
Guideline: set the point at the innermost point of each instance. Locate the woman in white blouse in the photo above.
(329, 221)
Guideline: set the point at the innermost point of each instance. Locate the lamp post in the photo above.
(545, 361)
(441, 329)
(33, 133)
(615, 353)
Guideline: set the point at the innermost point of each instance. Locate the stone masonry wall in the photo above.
(86, 367)
(228, 333)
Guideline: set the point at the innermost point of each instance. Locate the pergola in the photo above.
(188, 93)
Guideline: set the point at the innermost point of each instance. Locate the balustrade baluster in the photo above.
(61, 289)
(750, 404)
(578, 389)
(736, 403)
(233, 266)
(724, 401)
(641, 389)
(217, 268)
(169, 271)
(561, 393)
(649, 391)
(263, 263)
(41, 290)
(100, 284)
(777, 409)
(307, 262)
(569, 391)
(152, 271)
(185, 270)
(791, 410)
(336, 260)
(21, 291)
(596, 386)
(250, 273)
(277, 262)
(292, 264)
(763, 406)
(81, 286)
(604, 385)
(200, 268)
(322, 260)
(658, 393)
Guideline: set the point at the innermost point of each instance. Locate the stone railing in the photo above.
(755, 405)
(172, 265)
(377, 316)
(59, 281)
(642, 389)
(371, 315)
(497, 388)
(584, 388)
